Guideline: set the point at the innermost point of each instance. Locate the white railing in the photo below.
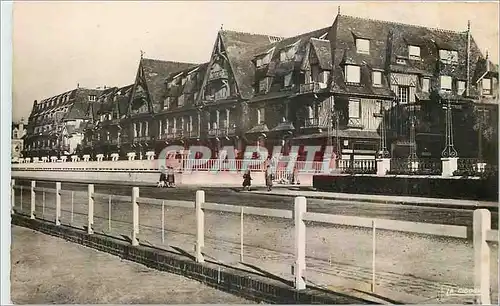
(178, 164)
(482, 232)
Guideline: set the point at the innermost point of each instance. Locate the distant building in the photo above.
(56, 124)
(17, 141)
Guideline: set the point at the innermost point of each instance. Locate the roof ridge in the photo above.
(167, 61)
(406, 24)
(248, 33)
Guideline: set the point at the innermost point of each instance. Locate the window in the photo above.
(486, 86)
(288, 80)
(263, 60)
(403, 94)
(160, 128)
(325, 75)
(15, 134)
(448, 56)
(166, 103)
(263, 85)
(445, 82)
(377, 78)
(180, 101)
(352, 74)
(363, 46)
(460, 87)
(222, 93)
(92, 98)
(425, 85)
(354, 109)
(261, 115)
(414, 52)
(401, 61)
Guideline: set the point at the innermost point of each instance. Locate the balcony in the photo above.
(142, 138)
(312, 123)
(311, 87)
(217, 75)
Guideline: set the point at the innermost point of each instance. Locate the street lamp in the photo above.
(449, 150)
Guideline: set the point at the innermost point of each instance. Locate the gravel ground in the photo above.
(419, 265)
(47, 270)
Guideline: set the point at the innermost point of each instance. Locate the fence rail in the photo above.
(482, 232)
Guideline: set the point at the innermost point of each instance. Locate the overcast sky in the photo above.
(59, 44)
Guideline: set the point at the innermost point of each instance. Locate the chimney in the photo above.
(77, 85)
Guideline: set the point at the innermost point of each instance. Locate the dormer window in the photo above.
(445, 83)
(92, 98)
(425, 85)
(460, 87)
(448, 56)
(401, 61)
(352, 74)
(363, 46)
(486, 86)
(288, 80)
(414, 52)
(288, 53)
(263, 59)
(377, 78)
(263, 85)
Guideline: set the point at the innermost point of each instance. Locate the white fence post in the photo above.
(200, 225)
(12, 195)
(300, 243)
(32, 208)
(241, 234)
(90, 217)
(135, 216)
(482, 224)
(58, 203)
(374, 252)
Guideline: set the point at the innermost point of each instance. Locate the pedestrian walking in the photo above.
(269, 178)
(247, 180)
(170, 177)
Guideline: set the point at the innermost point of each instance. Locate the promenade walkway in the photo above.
(47, 270)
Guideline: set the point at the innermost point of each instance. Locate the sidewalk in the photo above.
(379, 199)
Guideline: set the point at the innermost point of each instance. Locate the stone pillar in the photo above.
(383, 166)
(449, 165)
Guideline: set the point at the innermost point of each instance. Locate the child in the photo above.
(247, 178)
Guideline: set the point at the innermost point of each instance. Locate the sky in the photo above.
(57, 44)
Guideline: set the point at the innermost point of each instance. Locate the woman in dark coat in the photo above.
(269, 178)
(170, 177)
(163, 178)
(247, 178)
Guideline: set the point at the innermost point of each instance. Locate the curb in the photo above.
(374, 201)
(248, 285)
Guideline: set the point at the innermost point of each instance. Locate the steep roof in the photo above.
(241, 49)
(154, 73)
(78, 110)
(389, 42)
(322, 49)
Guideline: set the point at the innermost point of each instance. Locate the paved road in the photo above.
(233, 196)
(87, 276)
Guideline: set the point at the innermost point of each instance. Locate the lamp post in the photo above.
(449, 150)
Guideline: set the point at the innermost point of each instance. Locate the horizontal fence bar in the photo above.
(394, 225)
(113, 196)
(492, 235)
(259, 211)
(44, 189)
(178, 203)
